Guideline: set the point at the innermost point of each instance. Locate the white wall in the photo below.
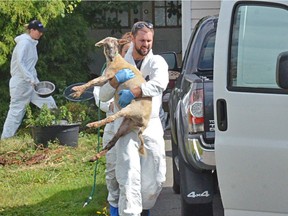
(186, 23)
(192, 12)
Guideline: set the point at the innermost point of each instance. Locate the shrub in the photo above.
(47, 117)
(63, 50)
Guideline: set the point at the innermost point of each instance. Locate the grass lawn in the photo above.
(52, 181)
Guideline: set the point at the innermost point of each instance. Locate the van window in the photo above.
(259, 35)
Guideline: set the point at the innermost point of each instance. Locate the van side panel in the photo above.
(252, 153)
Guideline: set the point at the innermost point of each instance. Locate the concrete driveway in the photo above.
(168, 203)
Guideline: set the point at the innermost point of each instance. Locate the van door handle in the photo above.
(222, 115)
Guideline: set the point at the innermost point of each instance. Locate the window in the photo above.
(167, 13)
(114, 16)
(258, 37)
(206, 59)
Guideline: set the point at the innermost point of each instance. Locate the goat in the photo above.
(137, 113)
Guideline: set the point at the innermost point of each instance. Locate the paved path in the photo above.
(168, 203)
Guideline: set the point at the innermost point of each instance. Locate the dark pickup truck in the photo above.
(192, 123)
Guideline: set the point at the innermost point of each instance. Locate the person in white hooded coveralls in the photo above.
(109, 132)
(23, 78)
(140, 177)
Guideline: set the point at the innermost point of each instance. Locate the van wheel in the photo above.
(196, 209)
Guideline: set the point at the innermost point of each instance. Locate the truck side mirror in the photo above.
(171, 59)
(282, 70)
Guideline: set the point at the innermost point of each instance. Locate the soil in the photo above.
(28, 158)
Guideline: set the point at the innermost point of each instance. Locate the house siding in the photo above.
(192, 12)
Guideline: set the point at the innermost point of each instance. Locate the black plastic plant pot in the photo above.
(65, 134)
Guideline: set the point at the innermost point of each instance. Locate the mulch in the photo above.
(27, 158)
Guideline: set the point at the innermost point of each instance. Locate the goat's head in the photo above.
(111, 47)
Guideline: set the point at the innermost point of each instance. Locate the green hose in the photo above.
(88, 200)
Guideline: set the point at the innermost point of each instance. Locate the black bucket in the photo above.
(66, 134)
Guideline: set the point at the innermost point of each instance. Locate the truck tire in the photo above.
(196, 209)
(176, 179)
(176, 174)
(194, 180)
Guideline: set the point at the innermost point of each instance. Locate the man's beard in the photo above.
(139, 51)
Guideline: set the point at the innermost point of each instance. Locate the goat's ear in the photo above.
(122, 41)
(100, 43)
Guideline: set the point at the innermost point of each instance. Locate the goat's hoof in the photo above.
(142, 151)
(73, 95)
(95, 158)
(92, 125)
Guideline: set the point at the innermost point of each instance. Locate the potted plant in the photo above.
(55, 124)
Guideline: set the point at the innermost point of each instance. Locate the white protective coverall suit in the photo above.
(23, 76)
(141, 178)
(111, 182)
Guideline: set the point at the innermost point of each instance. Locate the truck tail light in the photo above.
(196, 111)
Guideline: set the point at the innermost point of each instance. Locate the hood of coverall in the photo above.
(25, 37)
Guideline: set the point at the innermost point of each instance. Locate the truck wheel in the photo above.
(176, 179)
(191, 180)
(176, 174)
(215, 183)
(196, 209)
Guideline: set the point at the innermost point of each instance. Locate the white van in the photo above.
(251, 107)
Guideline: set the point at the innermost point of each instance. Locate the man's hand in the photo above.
(34, 83)
(126, 96)
(124, 75)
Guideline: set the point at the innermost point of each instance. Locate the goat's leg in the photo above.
(79, 90)
(104, 121)
(122, 113)
(124, 128)
(141, 148)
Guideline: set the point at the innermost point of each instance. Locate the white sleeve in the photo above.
(106, 92)
(158, 78)
(104, 106)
